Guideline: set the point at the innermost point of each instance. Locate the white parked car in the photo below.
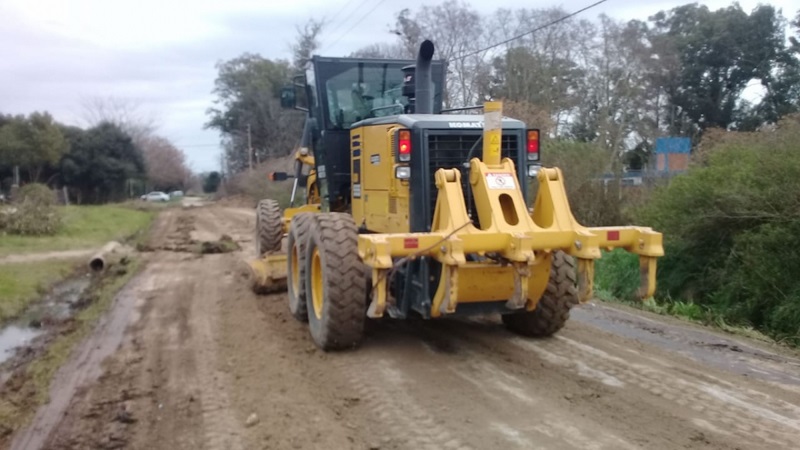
(155, 196)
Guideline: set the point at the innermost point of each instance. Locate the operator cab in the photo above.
(342, 92)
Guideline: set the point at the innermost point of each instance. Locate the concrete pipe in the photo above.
(102, 258)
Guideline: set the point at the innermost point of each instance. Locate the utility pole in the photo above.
(249, 147)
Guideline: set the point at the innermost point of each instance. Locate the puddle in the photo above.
(13, 337)
(58, 305)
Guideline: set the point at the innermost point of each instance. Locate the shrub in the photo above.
(36, 193)
(583, 165)
(617, 273)
(730, 225)
(34, 213)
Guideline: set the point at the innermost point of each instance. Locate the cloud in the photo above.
(163, 53)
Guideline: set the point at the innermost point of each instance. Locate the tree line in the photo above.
(620, 84)
(118, 156)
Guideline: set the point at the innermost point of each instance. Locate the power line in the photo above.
(340, 10)
(358, 22)
(344, 21)
(559, 20)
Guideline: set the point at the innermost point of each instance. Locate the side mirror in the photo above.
(288, 99)
(278, 176)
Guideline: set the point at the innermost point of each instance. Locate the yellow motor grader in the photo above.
(412, 209)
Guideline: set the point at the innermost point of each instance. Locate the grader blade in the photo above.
(268, 274)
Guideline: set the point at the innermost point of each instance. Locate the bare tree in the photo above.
(306, 42)
(543, 67)
(165, 163)
(125, 113)
(381, 50)
(458, 30)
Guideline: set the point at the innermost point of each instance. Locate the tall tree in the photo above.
(545, 68)
(32, 143)
(720, 52)
(247, 111)
(306, 42)
(101, 162)
(616, 109)
(458, 31)
(794, 40)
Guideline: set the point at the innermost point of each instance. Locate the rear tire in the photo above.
(552, 312)
(296, 265)
(336, 289)
(269, 227)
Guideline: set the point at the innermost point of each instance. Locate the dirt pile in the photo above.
(225, 244)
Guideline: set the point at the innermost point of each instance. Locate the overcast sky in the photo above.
(54, 54)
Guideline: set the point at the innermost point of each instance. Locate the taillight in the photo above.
(533, 145)
(404, 145)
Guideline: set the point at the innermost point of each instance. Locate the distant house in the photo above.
(672, 154)
(672, 157)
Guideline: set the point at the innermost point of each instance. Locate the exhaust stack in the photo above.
(423, 80)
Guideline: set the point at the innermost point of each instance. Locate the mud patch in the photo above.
(179, 239)
(24, 338)
(225, 244)
(58, 321)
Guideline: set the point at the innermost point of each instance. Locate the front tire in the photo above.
(296, 265)
(552, 312)
(336, 289)
(269, 227)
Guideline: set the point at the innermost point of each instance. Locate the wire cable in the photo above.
(345, 20)
(342, 9)
(549, 24)
(357, 22)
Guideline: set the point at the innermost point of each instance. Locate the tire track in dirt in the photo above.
(222, 429)
(164, 387)
(386, 390)
(738, 413)
(701, 344)
(547, 375)
(487, 376)
(519, 408)
(717, 405)
(185, 313)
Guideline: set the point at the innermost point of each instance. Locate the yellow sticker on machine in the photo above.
(500, 181)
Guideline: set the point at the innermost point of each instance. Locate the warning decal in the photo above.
(500, 181)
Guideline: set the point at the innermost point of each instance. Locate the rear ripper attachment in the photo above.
(514, 249)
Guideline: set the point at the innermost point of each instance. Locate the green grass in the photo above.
(22, 283)
(84, 227)
(617, 279)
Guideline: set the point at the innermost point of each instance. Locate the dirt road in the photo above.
(204, 363)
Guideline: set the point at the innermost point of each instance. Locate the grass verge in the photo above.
(617, 280)
(690, 312)
(24, 282)
(84, 227)
(29, 387)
